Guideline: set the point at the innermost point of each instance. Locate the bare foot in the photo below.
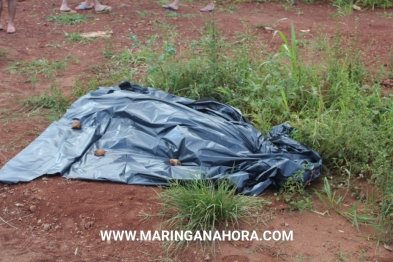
(84, 6)
(11, 29)
(103, 9)
(208, 8)
(171, 7)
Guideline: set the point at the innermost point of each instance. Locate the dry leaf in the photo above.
(104, 34)
(388, 247)
(357, 7)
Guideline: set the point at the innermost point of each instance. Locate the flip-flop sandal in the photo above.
(83, 7)
(106, 10)
(207, 10)
(170, 8)
(70, 11)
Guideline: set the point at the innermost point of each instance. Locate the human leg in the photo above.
(100, 8)
(1, 9)
(11, 12)
(174, 6)
(64, 7)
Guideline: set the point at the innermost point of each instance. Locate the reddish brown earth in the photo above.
(53, 219)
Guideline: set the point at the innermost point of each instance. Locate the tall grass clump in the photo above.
(202, 206)
(199, 205)
(200, 72)
(67, 19)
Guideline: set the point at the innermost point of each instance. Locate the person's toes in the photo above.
(11, 30)
(169, 7)
(105, 9)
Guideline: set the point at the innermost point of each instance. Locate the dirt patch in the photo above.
(56, 219)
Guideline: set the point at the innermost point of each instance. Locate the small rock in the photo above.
(45, 178)
(99, 152)
(286, 224)
(57, 227)
(207, 257)
(76, 125)
(33, 208)
(19, 205)
(174, 162)
(121, 204)
(89, 225)
(47, 227)
(39, 222)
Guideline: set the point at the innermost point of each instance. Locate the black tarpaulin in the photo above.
(141, 129)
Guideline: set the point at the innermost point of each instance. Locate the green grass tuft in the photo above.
(67, 19)
(203, 205)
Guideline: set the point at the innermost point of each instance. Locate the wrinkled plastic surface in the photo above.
(141, 129)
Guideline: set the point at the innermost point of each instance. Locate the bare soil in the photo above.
(53, 219)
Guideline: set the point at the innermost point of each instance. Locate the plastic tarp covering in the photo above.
(141, 129)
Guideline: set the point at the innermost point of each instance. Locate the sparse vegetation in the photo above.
(204, 205)
(67, 19)
(55, 101)
(43, 67)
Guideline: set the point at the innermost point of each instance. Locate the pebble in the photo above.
(33, 208)
(76, 125)
(47, 227)
(100, 152)
(88, 225)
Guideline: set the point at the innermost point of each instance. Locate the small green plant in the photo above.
(67, 19)
(55, 101)
(294, 193)
(387, 15)
(3, 54)
(375, 3)
(38, 67)
(145, 13)
(333, 201)
(56, 46)
(172, 14)
(231, 9)
(81, 87)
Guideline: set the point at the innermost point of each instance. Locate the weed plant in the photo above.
(55, 101)
(34, 68)
(67, 19)
(203, 205)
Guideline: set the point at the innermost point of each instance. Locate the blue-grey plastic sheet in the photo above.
(141, 129)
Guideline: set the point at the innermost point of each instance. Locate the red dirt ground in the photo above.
(53, 219)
